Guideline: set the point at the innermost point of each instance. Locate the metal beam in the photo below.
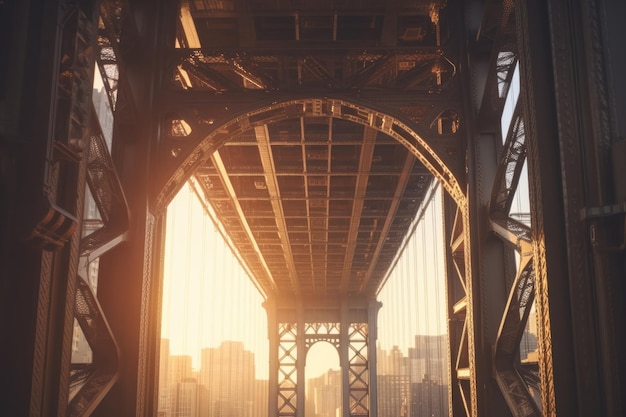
(510, 166)
(365, 164)
(228, 186)
(189, 26)
(269, 170)
(409, 161)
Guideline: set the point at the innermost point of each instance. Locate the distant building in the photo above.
(394, 395)
(528, 345)
(430, 352)
(179, 368)
(323, 396)
(227, 375)
(415, 385)
(392, 363)
(185, 399)
(260, 398)
(105, 115)
(164, 389)
(428, 399)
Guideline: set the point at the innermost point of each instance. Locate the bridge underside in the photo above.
(313, 131)
(315, 206)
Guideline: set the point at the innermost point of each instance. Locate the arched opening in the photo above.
(323, 381)
(413, 137)
(260, 129)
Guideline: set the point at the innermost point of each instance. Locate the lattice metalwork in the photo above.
(515, 389)
(358, 377)
(108, 194)
(510, 165)
(287, 369)
(113, 24)
(514, 319)
(459, 324)
(322, 332)
(58, 221)
(96, 378)
(390, 69)
(505, 65)
(103, 372)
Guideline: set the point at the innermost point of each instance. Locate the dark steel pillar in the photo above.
(372, 337)
(129, 290)
(272, 334)
(300, 361)
(344, 360)
(550, 249)
(490, 256)
(573, 98)
(43, 75)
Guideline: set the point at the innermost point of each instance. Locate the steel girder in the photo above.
(517, 391)
(219, 91)
(488, 302)
(110, 231)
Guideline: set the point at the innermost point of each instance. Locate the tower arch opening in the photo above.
(323, 380)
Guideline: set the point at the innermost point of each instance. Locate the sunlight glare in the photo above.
(207, 297)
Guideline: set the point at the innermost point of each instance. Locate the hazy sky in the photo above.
(208, 298)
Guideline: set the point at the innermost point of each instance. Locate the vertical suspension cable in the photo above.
(218, 307)
(410, 318)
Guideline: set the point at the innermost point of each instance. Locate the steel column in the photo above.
(272, 334)
(127, 290)
(372, 323)
(556, 343)
(344, 360)
(456, 301)
(490, 293)
(587, 86)
(300, 361)
(43, 175)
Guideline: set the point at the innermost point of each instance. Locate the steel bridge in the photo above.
(314, 129)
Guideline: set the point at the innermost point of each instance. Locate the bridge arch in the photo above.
(326, 346)
(417, 138)
(413, 137)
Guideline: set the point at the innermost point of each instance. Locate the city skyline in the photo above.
(225, 384)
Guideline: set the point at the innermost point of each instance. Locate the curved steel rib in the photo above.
(104, 370)
(505, 355)
(98, 377)
(107, 191)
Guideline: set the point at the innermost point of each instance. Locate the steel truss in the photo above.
(484, 282)
(91, 382)
(350, 329)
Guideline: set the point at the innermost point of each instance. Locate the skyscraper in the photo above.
(228, 377)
